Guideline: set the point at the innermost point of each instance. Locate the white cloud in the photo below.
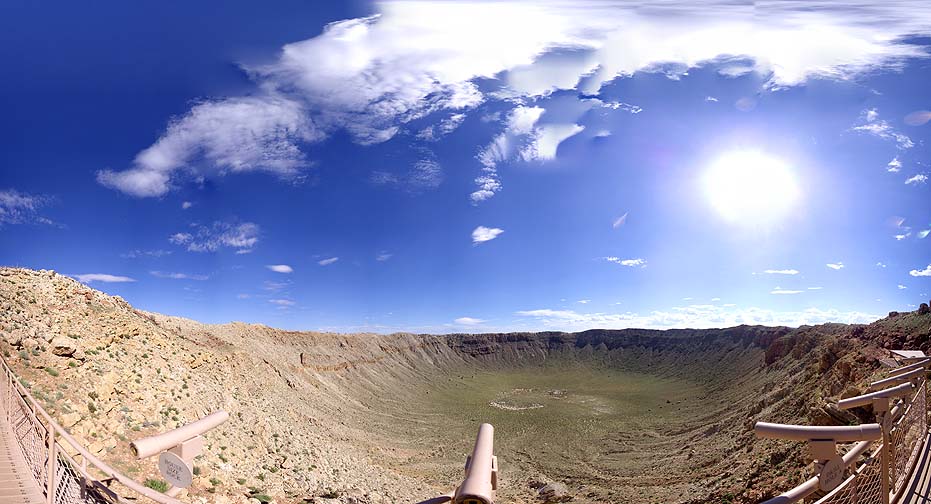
(900, 237)
(135, 254)
(177, 276)
(779, 290)
(872, 125)
(520, 122)
(627, 262)
(102, 277)
(260, 133)
(546, 140)
(328, 261)
(423, 175)
(692, 316)
(902, 287)
(921, 273)
(22, 208)
(383, 256)
(445, 127)
(414, 60)
(815, 288)
(483, 234)
(186, 204)
(280, 268)
(835, 266)
(710, 99)
(781, 272)
(584, 301)
(924, 234)
(468, 321)
(881, 264)
(626, 107)
(243, 296)
(242, 237)
(282, 303)
(620, 221)
(894, 166)
(917, 179)
(918, 117)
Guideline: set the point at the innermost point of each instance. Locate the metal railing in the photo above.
(883, 476)
(45, 447)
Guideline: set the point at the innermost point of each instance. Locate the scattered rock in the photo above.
(64, 347)
(554, 492)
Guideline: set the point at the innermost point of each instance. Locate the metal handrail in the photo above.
(56, 432)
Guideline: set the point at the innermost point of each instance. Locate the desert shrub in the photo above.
(157, 485)
(52, 371)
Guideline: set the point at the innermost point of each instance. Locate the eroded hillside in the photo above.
(319, 417)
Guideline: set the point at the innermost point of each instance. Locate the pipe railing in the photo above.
(881, 477)
(43, 442)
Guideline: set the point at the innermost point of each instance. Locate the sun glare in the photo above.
(751, 188)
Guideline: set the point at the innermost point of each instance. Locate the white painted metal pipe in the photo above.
(900, 378)
(904, 369)
(477, 488)
(158, 443)
(866, 399)
(809, 432)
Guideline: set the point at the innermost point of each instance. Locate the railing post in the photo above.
(884, 419)
(50, 471)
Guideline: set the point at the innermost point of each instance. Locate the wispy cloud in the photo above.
(779, 290)
(815, 288)
(901, 287)
(383, 256)
(881, 264)
(135, 254)
(22, 208)
(423, 175)
(280, 268)
(918, 117)
(468, 321)
(921, 273)
(410, 61)
(631, 263)
(781, 272)
(692, 316)
(186, 204)
(282, 303)
(584, 301)
(177, 276)
(102, 277)
(917, 179)
(483, 234)
(620, 221)
(328, 261)
(872, 125)
(239, 236)
(835, 266)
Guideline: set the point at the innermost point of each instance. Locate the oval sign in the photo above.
(175, 471)
(832, 474)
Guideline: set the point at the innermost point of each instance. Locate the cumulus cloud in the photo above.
(280, 268)
(177, 276)
(483, 234)
(21, 208)
(371, 76)
(239, 236)
(921, 273)
(894, 166)
(917, 179)
(468, 321)
(328, 261)
(546, 140)
(631, 263)
(835, 266)
(781, 272)
(872, 125)
(102, 277)
(692, 316)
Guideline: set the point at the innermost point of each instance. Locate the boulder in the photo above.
(30, 344)
(554, 492)
(63, 346)
(923, 309)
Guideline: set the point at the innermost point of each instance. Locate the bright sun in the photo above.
(751, 188)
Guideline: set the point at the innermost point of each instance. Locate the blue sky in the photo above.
(447, 166)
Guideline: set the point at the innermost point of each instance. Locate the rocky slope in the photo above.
(320, 417)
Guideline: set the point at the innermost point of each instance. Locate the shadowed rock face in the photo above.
(615, 416)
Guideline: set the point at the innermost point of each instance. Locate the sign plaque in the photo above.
(175, 470)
